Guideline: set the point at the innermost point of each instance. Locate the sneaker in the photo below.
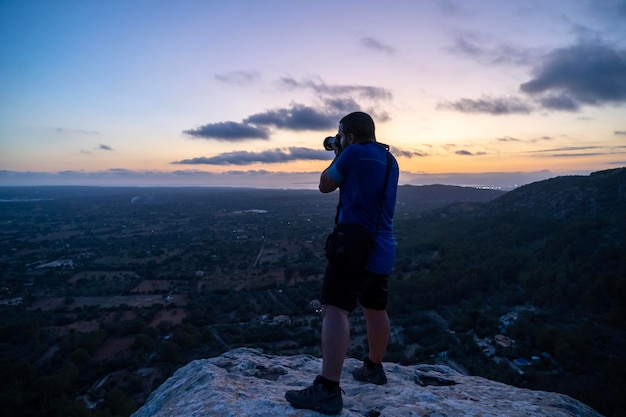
(316, 398)
(374, 374)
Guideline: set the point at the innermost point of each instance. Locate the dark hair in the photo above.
(360, 125)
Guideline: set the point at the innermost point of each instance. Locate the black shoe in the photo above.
(369, 372)
(316, 398)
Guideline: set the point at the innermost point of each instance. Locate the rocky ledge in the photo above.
(246, 382)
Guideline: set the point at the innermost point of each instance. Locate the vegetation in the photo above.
(104, 293)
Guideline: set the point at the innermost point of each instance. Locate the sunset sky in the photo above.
(138, 92)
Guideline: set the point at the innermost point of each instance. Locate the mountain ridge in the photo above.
(569, 196)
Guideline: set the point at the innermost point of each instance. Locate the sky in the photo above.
(242, 93)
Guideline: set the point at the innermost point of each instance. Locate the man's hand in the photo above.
(337, 148)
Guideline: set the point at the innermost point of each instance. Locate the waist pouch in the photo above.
(349, 246)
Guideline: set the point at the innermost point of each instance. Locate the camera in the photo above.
(330, 140)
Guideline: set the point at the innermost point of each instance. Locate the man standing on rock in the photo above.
(367, 177)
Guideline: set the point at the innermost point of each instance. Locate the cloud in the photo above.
(508, 139)
(268, 157)
(559, 102)
(464, 153)
(544, 138)
(103, 147)
(447, 7)
(376, 45)
(619, 132)
(335, 104)
(486, 104)
(229, 131)
(615, 9)
(407, 154)
(570, 151)
(297, 117)
(567, 148)
(574, 155)
(584, 74)
(564, 79)
(362, 91)
(534, 140)
(64, 130)
(238, 77)
(471, 45)
(278, 155)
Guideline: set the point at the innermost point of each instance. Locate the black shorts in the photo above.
(344, 290)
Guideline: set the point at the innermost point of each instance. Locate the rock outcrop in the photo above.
(246, 382)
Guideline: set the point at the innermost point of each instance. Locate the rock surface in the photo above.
(246, 382)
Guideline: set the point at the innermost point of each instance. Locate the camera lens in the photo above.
(328, 142)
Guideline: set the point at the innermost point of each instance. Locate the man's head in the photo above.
(356, 127)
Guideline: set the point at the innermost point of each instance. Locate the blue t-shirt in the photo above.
(360, 172)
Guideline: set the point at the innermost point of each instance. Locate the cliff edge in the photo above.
(246, 382)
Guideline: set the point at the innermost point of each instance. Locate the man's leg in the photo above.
(325, 394)
(335, 341)
(378, 331)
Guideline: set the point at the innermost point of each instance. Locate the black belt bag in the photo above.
(349, 247)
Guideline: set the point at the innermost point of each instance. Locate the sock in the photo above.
(327, 384)
(368, 362)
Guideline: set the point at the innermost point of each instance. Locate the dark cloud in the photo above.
(619, 132)
(407, 154)
(362, 91)
(615, 9)
(376, 45)
(270, 156)
(564, 79)
(559, 102)
(297, 117)
(337, 101)
(229, 131)
(491, 105)
(341, 105)
(238, 77)
(301, 117)
(584, 74)
(464, 152)
(103, 147)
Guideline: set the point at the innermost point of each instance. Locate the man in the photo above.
(359, 170)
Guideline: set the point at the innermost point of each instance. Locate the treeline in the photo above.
(571, 271)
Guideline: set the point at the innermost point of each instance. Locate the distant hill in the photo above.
(602, 193)
(428, 197)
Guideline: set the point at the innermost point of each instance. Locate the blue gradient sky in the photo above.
(487, 93)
